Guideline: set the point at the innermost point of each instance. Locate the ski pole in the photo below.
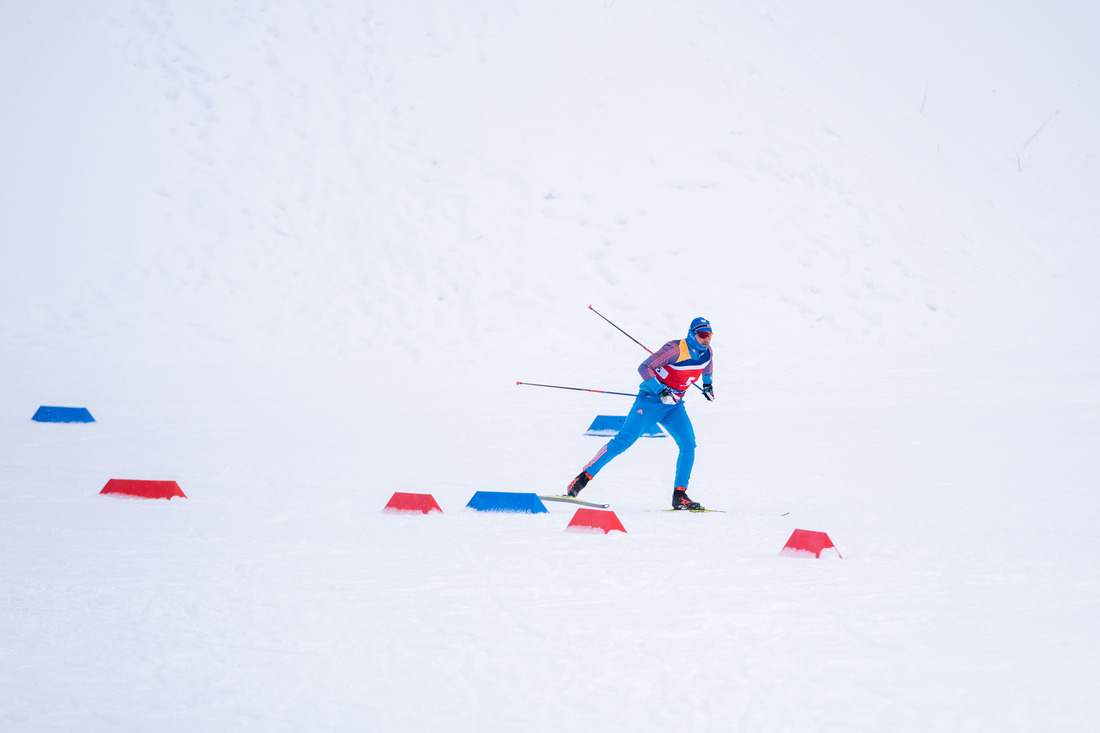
(577, 389)
(624, 333)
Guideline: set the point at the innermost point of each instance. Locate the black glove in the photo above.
(667, 396)
(708, 392)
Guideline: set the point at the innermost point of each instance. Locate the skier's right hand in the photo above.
(667, 396)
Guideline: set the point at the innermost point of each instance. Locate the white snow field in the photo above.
(295, 256)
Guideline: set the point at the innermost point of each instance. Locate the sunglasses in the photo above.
(703, 334)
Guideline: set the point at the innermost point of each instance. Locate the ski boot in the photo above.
(680, 500)
(578, 483)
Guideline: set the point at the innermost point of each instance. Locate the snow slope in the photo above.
(295, 256)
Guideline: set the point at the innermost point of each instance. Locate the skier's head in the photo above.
(699, 333)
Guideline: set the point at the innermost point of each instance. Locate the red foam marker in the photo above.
(806, 543)
(595, 520)
(403, 503)
(143, 489)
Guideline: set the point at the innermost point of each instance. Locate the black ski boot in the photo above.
(680, 500)
(578, 483)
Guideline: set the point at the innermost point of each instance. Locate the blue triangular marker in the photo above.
(608, 425)
(506, 501)
(63, 414)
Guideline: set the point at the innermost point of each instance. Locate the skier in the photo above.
(668, 374)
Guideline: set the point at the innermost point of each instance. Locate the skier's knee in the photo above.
(618, 444)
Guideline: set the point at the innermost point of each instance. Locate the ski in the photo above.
(573, 500)
(698, 511)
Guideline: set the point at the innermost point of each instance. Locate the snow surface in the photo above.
(296, 255)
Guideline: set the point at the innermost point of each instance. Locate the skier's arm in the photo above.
(651, 383)
(667, 354)
(708, 373)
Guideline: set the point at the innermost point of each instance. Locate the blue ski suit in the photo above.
(675, 366)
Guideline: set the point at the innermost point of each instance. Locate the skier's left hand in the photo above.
(708, 392)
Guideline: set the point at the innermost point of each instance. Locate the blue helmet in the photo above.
(699, 325)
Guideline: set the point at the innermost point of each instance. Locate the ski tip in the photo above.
(565, 498)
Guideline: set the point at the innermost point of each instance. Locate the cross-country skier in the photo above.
(668, 374)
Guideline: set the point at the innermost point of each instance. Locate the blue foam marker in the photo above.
(506, 501)
(608, 425)
(63, 414)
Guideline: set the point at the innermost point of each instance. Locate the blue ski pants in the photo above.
(646, 411)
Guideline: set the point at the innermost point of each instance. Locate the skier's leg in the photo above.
(678, 425)
(644, 413)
